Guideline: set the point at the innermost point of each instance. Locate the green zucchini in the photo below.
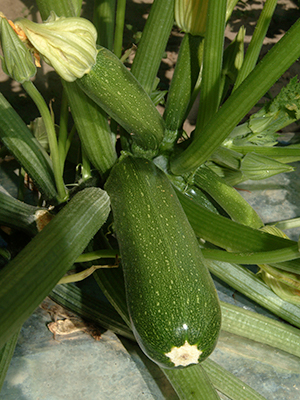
(113, 87)
(172, 302)
(21, 216)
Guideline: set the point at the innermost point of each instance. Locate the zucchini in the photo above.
(172, 302)
(21, 216)
(113, 87)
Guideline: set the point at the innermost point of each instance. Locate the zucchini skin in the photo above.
(171, 298)
(113, 87)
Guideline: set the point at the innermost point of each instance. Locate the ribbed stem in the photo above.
(49, 125)
(256, 43)
(120, 20)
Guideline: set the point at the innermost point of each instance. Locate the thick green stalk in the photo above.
(260, 328)
(93, 129)
(258, 82)
(268, 257)
(49, 125)
(212, 64)
(287, 224)
(229, 384)
(227, 197)
(104, 21)
(31, 275)
(191, 383)
(66, 8)
(227, 234)
(183, 82)
(285, 154)
(15, 135)
(63, 130)
(153, 43)
(249, 284)
(256, 43)
(120, 20)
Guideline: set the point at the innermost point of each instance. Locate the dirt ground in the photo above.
(246, 13)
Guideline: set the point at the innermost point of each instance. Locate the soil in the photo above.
(246, 13)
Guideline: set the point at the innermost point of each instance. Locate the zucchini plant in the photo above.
(121, 180)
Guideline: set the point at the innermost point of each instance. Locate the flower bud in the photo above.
(190, 16)
(67, 44)
(16, 61)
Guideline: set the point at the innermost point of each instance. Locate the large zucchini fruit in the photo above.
(172, 302)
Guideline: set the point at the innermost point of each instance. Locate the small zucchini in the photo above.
(171, 298)
(113, 87)
(21, 216)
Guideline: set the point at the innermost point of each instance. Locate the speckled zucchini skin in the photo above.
(113, 87)
(171, 297)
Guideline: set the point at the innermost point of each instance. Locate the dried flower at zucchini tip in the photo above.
(190, 16)
(67, 44)
(16, 61)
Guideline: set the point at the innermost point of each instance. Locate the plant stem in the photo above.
(120, 20)
(153, 43)
(268, 257)
(264, 75)
(249, 284)
(63, 130)
(184, 79)
(260, 328)
(229, 384)
(286, 224)
(191, 383)
(104, 20)
(212, 63)
(86, 166)
(49, 125)
(255, 45)
(95, 255)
